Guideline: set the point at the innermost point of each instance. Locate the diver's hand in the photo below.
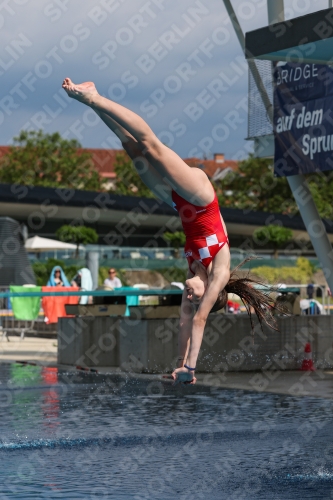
(183, 375)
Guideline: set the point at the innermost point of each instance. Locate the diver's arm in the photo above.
(219, 281)
(185, 328)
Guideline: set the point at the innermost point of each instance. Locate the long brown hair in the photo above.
(260, 301)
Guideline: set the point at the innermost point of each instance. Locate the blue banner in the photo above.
(303, 118)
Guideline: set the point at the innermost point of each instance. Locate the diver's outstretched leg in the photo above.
(146, 171)
(190, 183)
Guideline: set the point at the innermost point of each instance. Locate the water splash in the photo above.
(320, 475)
(116, 441)
(51, 443)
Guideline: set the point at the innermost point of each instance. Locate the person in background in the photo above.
(77, 280)
(83, 280)
(310, 291)
(113, 281)
(57, 277)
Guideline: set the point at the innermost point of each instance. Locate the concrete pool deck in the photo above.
(292, 383)
(34, 349)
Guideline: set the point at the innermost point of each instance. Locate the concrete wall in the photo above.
(151, 345)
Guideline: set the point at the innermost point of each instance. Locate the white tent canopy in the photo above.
(39, 244)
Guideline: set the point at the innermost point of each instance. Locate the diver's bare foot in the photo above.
(84, 92)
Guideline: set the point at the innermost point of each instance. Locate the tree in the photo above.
(176, 240)
(254, 187)
(128, 181)
(277, 236)
(78, 235)
(48, 160)
(321, 187)
(301, 273)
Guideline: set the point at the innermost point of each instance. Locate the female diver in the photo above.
(189, 191)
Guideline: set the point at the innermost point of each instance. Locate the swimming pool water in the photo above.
(87, 436)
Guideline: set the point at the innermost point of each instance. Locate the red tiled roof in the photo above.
(211, 166)
(104, 161)
(4, 150)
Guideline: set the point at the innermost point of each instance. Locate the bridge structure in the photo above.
(128, 221)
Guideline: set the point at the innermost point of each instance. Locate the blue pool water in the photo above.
(87, 436)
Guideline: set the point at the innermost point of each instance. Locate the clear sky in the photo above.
(176, 63)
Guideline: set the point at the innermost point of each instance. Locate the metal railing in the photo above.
(10, 324)
(118, 292)
(168, 255)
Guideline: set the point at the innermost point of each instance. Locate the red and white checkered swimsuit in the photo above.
(203, 228)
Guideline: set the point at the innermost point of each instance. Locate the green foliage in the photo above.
(176, 239)
(321, 187)
(38, 159)
(39, 268)
(301, 273)
(272, 234)
(43, 270)
(305, 265)
(174, 274)
(128, 181)
(78, 235)
(254, 187)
